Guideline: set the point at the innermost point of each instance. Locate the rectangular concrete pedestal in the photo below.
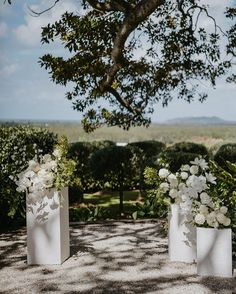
(214, 252)
(48, 229)
(181, 237)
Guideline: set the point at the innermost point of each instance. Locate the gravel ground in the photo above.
(106, 258)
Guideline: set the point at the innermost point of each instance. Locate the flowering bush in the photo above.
(190, 182)
(45, 172)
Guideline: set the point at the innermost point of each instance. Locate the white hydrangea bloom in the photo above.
(164, 187)
(185, 167)
(223, 209)
(227, 222)
(163, 173)
(205, 198)
(173, 180)
(184, 175)
(173, 193)
(203, 209)
(200, 219)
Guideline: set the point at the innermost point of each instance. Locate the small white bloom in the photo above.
(200, 162)
(200, 219)
(47, 158)
(223, 209)
(163, 173)
(185, 167)
(34, 166)
(203, 209)
(57, 153)
(173, 180)
(210, 178)
(164, 187)
(227, 222)
(194, 169)
(205, 198)
(220, 217)
(173, 193)
(184, 175)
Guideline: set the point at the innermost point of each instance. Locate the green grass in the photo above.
(110, 201)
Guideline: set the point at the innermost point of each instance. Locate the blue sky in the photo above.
(26, 89)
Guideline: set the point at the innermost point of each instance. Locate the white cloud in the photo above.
(3, 29)
(9, 69)
(29, 33)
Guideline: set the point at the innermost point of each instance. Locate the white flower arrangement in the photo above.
(190, 188)
(46, 172)
(189, 183)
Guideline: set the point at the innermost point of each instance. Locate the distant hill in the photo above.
(202, 120)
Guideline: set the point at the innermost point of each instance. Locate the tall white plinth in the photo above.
(48, 229)
(181, 236)
(214, 252)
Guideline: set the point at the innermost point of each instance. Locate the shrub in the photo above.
(147, 152)
(116, 166)
(226, 152)
(182, 153)
(17, 146)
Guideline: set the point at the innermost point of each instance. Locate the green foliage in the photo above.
(81, 152)
(147, 152)
(182, 153)
(226, 152)
(84, 214)
(225, 192)
(154, 206)
(114, 165)
(17, 146)
(102, 47)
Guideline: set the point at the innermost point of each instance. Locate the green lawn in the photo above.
(109, 202)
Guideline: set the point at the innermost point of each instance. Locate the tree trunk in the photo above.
(121, 193)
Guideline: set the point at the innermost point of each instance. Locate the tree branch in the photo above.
(35, 13)
(135, 17)
(113, 5)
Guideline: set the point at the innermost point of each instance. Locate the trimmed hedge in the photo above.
(226, 152)
(182, 153)
(81, 152)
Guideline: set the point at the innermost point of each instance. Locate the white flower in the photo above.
(203, 209)
(184, 175)
(47, 158)
(223, 209)
(163, 173)
(194, 169)
(205, 198)
(200, 162)
(57, 153)
(34, 166)
(164, 187)
(200, 219)
(173, 193)
(210, 178)
(173, 180)
(185, 167)
(220, 217)
(227, 222)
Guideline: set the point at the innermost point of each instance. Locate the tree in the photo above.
(115, 165)
(135, 53)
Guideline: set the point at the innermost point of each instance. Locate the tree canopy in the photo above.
(127, 55)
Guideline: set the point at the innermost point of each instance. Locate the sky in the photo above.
(26, 91)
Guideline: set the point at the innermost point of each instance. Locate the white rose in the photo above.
(164, 187)
(184, 175)
(185, 167)
(47, 158)
(203, 209)
(223, 209)
(227, 222)
(220, 217)
(205, 198)
(200, 219)
(194, 169)
(173, 193)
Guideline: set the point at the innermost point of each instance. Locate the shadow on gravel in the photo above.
(105, 258)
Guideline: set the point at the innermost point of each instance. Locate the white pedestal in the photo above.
(48, 229)
(214, 252)
(181, 236)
